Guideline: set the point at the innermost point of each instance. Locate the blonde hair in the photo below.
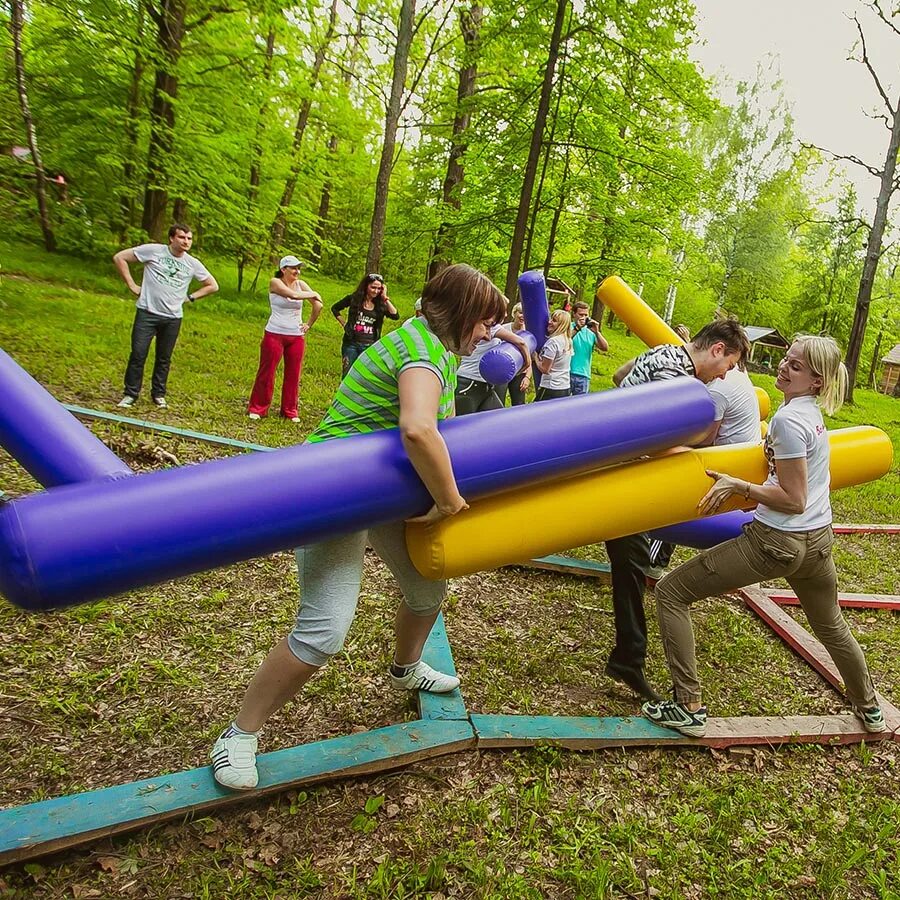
(823, 356)
(561, 323)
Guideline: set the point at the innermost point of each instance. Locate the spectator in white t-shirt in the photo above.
(737, 410)
(473, 393)
(555, 358)
(168, 272)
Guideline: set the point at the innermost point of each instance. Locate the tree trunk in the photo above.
(469, 24)
(873, 254)
(170, 22)
(244, 253)
(16, 24)
(391, 120)
(534, 152)
(325, 200)
(126, 197)
(280, 223)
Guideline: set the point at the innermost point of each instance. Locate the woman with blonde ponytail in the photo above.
(790, 537)
(555, 359)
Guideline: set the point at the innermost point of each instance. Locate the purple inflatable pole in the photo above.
(702, 534)
(501, 364)
(85, 541)
(45, 438)
(533, 291)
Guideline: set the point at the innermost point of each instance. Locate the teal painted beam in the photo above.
(569, 565)
(50, 825)
(439, 656)
(589, 733)
(165, 429)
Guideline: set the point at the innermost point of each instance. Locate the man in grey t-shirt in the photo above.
(168, 272)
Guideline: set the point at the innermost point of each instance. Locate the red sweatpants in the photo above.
(272, 348)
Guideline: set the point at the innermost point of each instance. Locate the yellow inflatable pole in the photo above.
(648, 326)
(635, 313)
(613, 502)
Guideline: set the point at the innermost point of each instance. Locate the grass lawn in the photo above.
(133, 687)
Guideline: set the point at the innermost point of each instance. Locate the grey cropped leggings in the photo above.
(761, 552)
(330, 576)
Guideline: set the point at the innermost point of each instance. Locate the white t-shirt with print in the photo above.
(558, 378)
(167, 279)
(469, 366)
(798, 430)
(736, 408)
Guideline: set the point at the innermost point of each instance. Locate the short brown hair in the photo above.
(459, 297)
(729, 332)
(580, 304)
(179, 226)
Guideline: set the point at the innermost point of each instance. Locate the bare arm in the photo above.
(121, 261)
(420, 394)
(711, 435)
(601, 345)
(788, 496)
(210, 286)
(277, 286)
(622, 372)
(315, 301)
(543, 363)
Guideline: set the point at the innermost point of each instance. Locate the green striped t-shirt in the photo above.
(368, 398)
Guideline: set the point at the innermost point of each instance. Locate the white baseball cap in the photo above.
(289, 261)
(418, 305)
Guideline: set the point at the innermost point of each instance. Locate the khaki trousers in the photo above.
(803, 558)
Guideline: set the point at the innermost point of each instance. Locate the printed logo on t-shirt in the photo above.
(169, 271)
(364, 327)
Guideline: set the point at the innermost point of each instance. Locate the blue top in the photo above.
(583, 340)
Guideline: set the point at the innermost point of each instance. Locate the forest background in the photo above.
(399, 135)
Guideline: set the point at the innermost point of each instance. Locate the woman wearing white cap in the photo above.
(285, 335)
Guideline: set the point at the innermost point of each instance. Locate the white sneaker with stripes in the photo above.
(234, 760)
(421, 677)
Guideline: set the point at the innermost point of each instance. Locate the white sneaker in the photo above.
(234, 761)
(254, 416)
(423, 678)
(125, 402)
(160, 402)
(295, 419)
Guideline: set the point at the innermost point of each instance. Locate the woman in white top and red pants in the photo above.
(285, 335)
(790, 537)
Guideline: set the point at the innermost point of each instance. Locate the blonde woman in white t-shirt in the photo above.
(790, 537)
(555, 358)
(285, 335)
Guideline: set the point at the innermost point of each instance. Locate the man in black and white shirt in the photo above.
(716, 349)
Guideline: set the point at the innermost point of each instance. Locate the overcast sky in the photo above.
(811, 39)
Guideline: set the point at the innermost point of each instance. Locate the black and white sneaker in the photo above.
(872, 718)
(421, 677)
(234, 760)
(671, 714)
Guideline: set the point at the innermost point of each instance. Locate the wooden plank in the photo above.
(849, 601)
(438, 655)
(52, 825)
(568, 565)
(142, 425)
(590, 733)
(808, 647)
(866, 529)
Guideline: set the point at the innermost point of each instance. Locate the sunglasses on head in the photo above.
(374, 276)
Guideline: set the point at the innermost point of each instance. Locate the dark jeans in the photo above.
(543, 393)
(147, 326)
(629, 559)
(350, 350)
(475, 396)
(516, 394)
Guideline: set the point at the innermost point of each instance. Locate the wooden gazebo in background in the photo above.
(767, 345)
(891, 374)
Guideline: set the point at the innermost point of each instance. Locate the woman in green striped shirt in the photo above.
(405, 380)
